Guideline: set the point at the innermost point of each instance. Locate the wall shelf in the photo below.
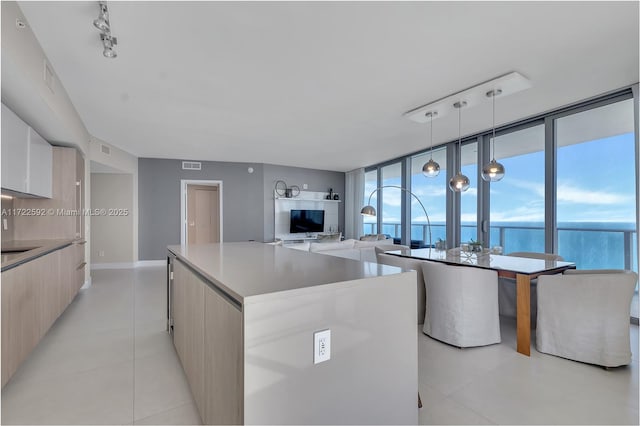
(307, 199)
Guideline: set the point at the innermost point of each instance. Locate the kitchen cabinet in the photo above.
(254, 345)
(188, 329)
(40, 176)
(66, 203)
(15, 150)
(34, 295)
(26, 158)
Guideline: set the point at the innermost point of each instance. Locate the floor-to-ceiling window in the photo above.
(596, 194)
(392, 200)
(370, 223)
(469, 198)
(517, 201)
(569, 187)
(432, 192)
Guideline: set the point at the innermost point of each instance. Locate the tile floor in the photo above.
(108, 360)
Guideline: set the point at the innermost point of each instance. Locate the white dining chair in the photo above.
(462, 304)
(507, 287)
(584, 316)
(406, 263)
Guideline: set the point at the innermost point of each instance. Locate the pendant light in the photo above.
(459, 183)
(493, 171)
(431, 168)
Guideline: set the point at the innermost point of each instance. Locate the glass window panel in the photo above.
(432, 192)
(517, 201)
(391, 200)
(370, 223)
(469, 198)
(596, 197)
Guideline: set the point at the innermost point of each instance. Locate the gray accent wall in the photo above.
(248, 206)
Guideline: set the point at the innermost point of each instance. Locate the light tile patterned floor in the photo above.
(108, 360)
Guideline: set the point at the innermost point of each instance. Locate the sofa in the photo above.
(349, 249)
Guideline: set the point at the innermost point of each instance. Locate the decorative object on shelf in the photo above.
(431, 168)
(286, 191)
(104, 26)
(369, 210)
(336, 197)
(330, 194)
(441, 244)
(493, 171)
(459, 183)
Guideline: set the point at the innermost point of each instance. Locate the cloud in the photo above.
(535, 187)
(572, 194)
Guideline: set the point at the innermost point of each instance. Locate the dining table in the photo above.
(522, 269)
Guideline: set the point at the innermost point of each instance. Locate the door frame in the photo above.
(183, 204)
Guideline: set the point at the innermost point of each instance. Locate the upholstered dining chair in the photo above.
(584, 316)
(507, 287)
(406, 263)
(462, 304)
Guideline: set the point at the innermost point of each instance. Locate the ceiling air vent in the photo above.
(105, 149)
(191, 165)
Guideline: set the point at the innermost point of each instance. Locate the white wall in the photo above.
(126, 163)
(111, 233)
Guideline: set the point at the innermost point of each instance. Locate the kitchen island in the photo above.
(243, 318)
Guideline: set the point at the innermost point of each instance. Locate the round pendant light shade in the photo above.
(459, 183)
(431, 168)
(493, 171)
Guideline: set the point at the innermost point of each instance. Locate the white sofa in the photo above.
(350, 249)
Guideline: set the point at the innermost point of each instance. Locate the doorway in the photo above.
(201, 212)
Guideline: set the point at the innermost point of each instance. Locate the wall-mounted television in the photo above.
(306, 221)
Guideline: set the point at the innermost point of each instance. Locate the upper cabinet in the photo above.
(26, 158)
(40, 165)
(15, 151)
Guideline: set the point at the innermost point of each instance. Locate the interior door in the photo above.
(203, 214)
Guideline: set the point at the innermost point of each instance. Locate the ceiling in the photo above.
(323, 84)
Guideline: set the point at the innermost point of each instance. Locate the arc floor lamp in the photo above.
(370, 211)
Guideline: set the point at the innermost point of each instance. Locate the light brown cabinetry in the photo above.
(65, 218)
(207, 335)
(34, 294)
(188, 329)
(223, 360)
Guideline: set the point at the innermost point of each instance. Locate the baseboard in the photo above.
(145, 263)
(113, 265)
(86, 284)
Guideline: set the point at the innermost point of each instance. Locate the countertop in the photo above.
(245, 270)
(37, 248)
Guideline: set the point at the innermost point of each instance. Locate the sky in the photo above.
(595, 183)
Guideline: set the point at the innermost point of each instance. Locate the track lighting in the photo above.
(102, 24)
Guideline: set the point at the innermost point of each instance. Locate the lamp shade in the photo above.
(101, 24)
(368, 211)
(431, 168)
(493, 171)
(109, 52)
(459, 183)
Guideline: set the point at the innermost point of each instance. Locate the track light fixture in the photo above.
(102, 23)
